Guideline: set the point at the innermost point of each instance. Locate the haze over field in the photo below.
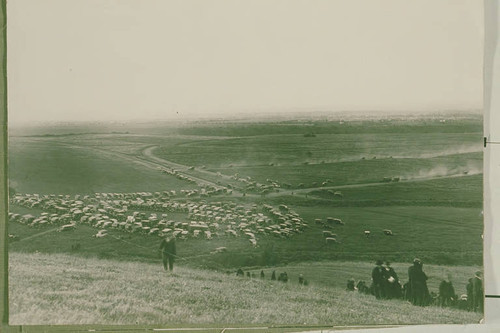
(184, 59)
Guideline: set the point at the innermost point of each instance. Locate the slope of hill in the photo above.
(73, 290)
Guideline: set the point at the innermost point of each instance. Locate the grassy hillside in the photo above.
(49, 167)
(73, 290)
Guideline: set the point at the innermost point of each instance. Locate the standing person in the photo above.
(378, 280)
(168, 252)
(477, 292)
(446, 292)
(418, 284)
(470, 296)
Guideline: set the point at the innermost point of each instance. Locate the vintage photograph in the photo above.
(174, 165)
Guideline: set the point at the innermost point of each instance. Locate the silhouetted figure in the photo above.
(446, 292)
(248, 274)
(477, 292)
(283, 277)
(168, 252)
(378, 280)
(273, 276)
(418, 284)
(262, 274)
(240, 272)
(301, 279)
(363, 288)
(462, 302)
(391, 285)
(407, 291)
(351, 285)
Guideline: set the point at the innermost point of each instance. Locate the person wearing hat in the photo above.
(418, 284)
(168, 252)
(391, 282)
(378, 280)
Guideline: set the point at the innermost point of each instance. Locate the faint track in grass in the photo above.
(304, 191)
(38, 234)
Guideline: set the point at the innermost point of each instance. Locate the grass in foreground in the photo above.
(72, 290)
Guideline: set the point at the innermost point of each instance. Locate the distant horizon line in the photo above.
(253, 116)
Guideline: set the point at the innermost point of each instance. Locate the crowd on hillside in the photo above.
(386, 285)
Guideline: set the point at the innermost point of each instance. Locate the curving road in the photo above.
(205, 177)
(148, 153)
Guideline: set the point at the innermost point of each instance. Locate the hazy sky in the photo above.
(122, 59)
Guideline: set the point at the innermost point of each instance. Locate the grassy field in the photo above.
(103, 291)
(436, 235)
(48, 167)
(452, 192)
(363, 171)
(118, 279)
(293, 149)
(437, 219)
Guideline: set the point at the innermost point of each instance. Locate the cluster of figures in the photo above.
(283, 277)
(386, 285)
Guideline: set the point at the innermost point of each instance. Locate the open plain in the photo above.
(89, 204)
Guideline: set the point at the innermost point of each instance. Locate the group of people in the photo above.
(386, 285)
(385, 281)
(282, 277)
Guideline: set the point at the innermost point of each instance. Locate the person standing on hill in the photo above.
(477, 292)
(378, 280)
(418, 284)
(470, 296)
(168, 252)
(446, 292)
